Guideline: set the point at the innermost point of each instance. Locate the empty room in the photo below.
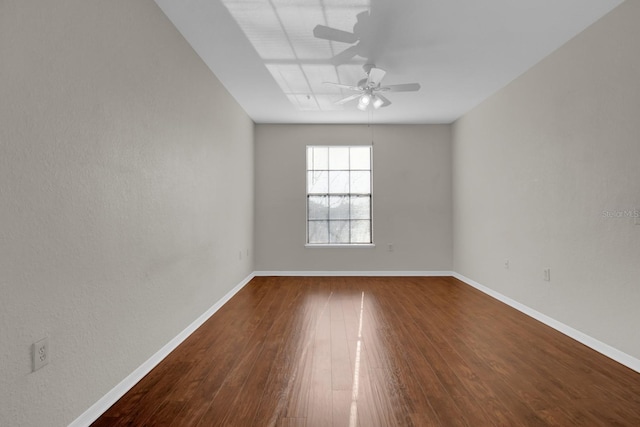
(319, 213)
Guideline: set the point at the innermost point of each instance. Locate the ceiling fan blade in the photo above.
(385, 101)
(405, 87)
(345, 55)
(375, 76)
(347, 99)
(341, 86)
(333, 34)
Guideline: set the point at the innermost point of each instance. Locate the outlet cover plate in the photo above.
(40, 353)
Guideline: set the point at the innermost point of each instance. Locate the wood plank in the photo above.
(231, 406)
(422, 375)
(284, 375)
(341, 371)
(316, 305)
(512, 376)
(219, 361)
(320, 401)
(177, 373)
(292, 422)
(492, 396)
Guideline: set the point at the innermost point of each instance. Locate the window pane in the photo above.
(339, 158)
(360, 207)
(318, 232)
(317, 158)
(339, 194)
(318, 182)
(360, 158)
(361, 182)
(339, 232)
(338, 182)
(361, 231)
(318, 207)
(339, 207)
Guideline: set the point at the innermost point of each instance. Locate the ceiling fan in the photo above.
(368, 90)
(359, 38)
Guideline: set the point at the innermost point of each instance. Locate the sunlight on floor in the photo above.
(353, 418)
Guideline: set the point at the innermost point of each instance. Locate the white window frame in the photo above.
(370, 195)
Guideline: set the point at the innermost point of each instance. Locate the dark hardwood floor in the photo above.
(362, 351)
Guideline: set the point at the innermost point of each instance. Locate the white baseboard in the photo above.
(385, 273)
(605, 349)
(98, 408)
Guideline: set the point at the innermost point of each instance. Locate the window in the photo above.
(339, 195)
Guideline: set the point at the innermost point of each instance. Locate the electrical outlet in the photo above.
(547, 274)
(390, 247)
(506, 265)
(40, 353)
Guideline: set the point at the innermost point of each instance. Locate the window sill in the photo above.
(339, 246)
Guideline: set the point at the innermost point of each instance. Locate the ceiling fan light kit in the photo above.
(368, 90)
(364, 102)
(367, 100)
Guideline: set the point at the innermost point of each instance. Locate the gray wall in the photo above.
(411, 198)
(126, 192)
(543, 174)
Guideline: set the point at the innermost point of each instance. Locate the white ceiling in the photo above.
(460, 51)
